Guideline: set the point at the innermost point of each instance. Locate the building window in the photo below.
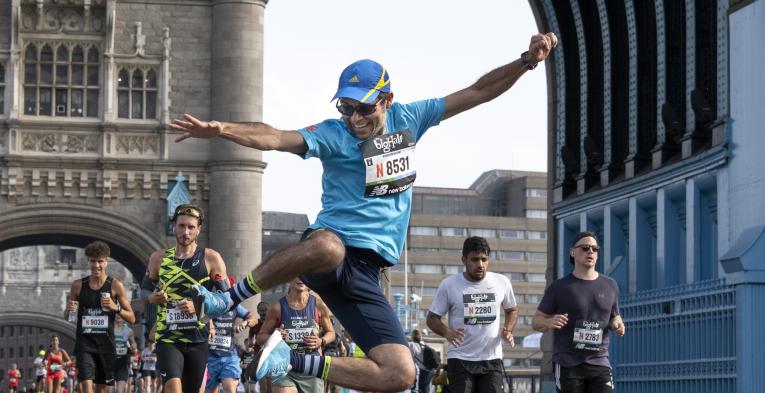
(537, 256)
(531, 213)
(452, 250)
(423, 231)
(520, 298)
(510, 234)
(451, 269)
(514, 276)
(422, 249)
(137, 93)
(428, 291)
(396, 289)
(510, 362)
(483, 232)
(536, 277)
(2, 89)
(511, 255)
(21, 352)
(2, 355)
(536, 193)
(61, 82)
(10, 353)
(69, 257)
(536, 235)
(532, 299)
(428, 269)
(459, 232)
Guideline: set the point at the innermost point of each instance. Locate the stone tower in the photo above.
(235, 171)
(87, 90)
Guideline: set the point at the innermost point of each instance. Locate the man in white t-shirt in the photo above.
(475, 301)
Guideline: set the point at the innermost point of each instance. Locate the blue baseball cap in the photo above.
(363, 81)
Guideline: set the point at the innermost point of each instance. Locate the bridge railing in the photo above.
(680, 339)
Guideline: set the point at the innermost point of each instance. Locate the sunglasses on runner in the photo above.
(362, 109)
(187, 211)
(587, 248)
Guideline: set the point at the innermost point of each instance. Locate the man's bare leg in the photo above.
(323, 251)
(87, 387)
(229, 385)
(389, 368)
(173, 385)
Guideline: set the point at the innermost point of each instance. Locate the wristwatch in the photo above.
(525, 61)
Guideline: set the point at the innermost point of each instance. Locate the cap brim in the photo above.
(355, 93)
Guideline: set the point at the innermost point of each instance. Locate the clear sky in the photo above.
(430, 48)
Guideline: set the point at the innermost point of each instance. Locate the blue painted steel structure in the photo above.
(679, 208)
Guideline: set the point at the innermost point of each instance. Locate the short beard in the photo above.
(473, 277)
(179, 240)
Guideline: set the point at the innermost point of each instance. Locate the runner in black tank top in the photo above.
(95, 326)
(94, 302)
(181, 336)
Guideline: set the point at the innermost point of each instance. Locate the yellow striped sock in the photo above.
(327, 362)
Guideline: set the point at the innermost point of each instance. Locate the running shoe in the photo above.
(274, 359)
(214, 304)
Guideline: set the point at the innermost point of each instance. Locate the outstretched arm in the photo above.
(500, 80)
(260, 136)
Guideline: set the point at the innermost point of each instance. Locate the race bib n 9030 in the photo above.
(94, 321)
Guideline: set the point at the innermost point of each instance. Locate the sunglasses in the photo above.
(187, 211)
(362, 109)
(587, 248)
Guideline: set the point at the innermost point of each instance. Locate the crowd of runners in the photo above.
(368, 159)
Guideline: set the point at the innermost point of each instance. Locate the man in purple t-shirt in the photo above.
(581, 308)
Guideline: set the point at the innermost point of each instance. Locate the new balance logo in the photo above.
(379, 190)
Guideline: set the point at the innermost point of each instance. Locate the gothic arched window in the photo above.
(137, 93)
(61, 80)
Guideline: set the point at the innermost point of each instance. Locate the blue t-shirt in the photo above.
(376, 223)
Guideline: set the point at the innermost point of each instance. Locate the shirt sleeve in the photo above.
(421, 115)
(615, 309)
(242, 312)
(548, 305)
(440, 305)
(320, 139)
(508, 301)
